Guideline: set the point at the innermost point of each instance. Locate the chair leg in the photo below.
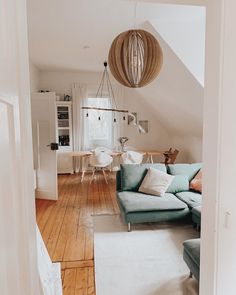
(190, 275)
(104, 174)
(151, 159)
(84, 167)
(82, 177)
(148, 159)
(92, 177)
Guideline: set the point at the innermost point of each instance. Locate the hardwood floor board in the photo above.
(42, 220)
(54, 224)
(76, 264)
(65, 231)
(89, 249)
(58, 218)
(62, 275)
(70, 248)
(69, 282)
(96, 198)
(81, 287)
(102, 200)
(67, 227)
(56, 228)
(108, 197)
(91, 281)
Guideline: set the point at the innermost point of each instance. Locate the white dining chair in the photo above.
(100, 160)
(132, 157)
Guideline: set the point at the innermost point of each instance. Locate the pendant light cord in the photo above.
(105, 77)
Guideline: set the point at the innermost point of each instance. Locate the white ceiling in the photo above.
(61, 30)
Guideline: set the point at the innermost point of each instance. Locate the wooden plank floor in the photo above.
(67, 227)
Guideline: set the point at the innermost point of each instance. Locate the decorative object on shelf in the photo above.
(135, 58)
(67, 97)
(106, 82)
(132, 118)
(143, 126)
(122, 140)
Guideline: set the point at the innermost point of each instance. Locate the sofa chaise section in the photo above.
(139, 208)
(192, 199)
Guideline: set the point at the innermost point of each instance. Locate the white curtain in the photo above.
(79, 95)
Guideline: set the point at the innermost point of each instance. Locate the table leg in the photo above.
(84, 167)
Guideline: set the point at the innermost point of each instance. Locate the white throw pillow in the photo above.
(155, 182)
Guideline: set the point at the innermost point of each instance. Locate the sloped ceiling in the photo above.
(77, 34)
(176, 96)
(186, 37)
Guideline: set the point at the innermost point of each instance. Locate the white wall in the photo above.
(61, 81)
(190, 147)
(172, 104)
(34, 77)
(157, 137)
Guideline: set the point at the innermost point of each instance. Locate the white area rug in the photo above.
(146, 261)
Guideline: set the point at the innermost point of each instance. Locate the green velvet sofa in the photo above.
(176, 205)
(191, 256)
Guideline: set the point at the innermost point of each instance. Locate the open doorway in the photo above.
(172, 105)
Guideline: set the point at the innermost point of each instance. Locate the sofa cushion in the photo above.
(192, 199)
(138, 202)
(185, 169)
(179, 184)
(196, 182)
(192, 247)
(155, 182)
(132, 175)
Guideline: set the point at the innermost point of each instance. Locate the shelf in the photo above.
(63, 128)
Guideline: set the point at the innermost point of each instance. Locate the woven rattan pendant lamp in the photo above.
(135, 58)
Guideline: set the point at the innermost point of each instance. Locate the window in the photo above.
(98, 125)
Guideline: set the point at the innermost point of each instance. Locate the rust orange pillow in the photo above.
(196, 183)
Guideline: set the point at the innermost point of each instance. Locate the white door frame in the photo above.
(218, 244)
(218, 255)
(19, 273)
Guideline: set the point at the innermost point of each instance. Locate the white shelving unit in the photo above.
(64, 137)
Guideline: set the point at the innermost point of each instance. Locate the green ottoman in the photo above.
(196, 216)
(192, 256)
